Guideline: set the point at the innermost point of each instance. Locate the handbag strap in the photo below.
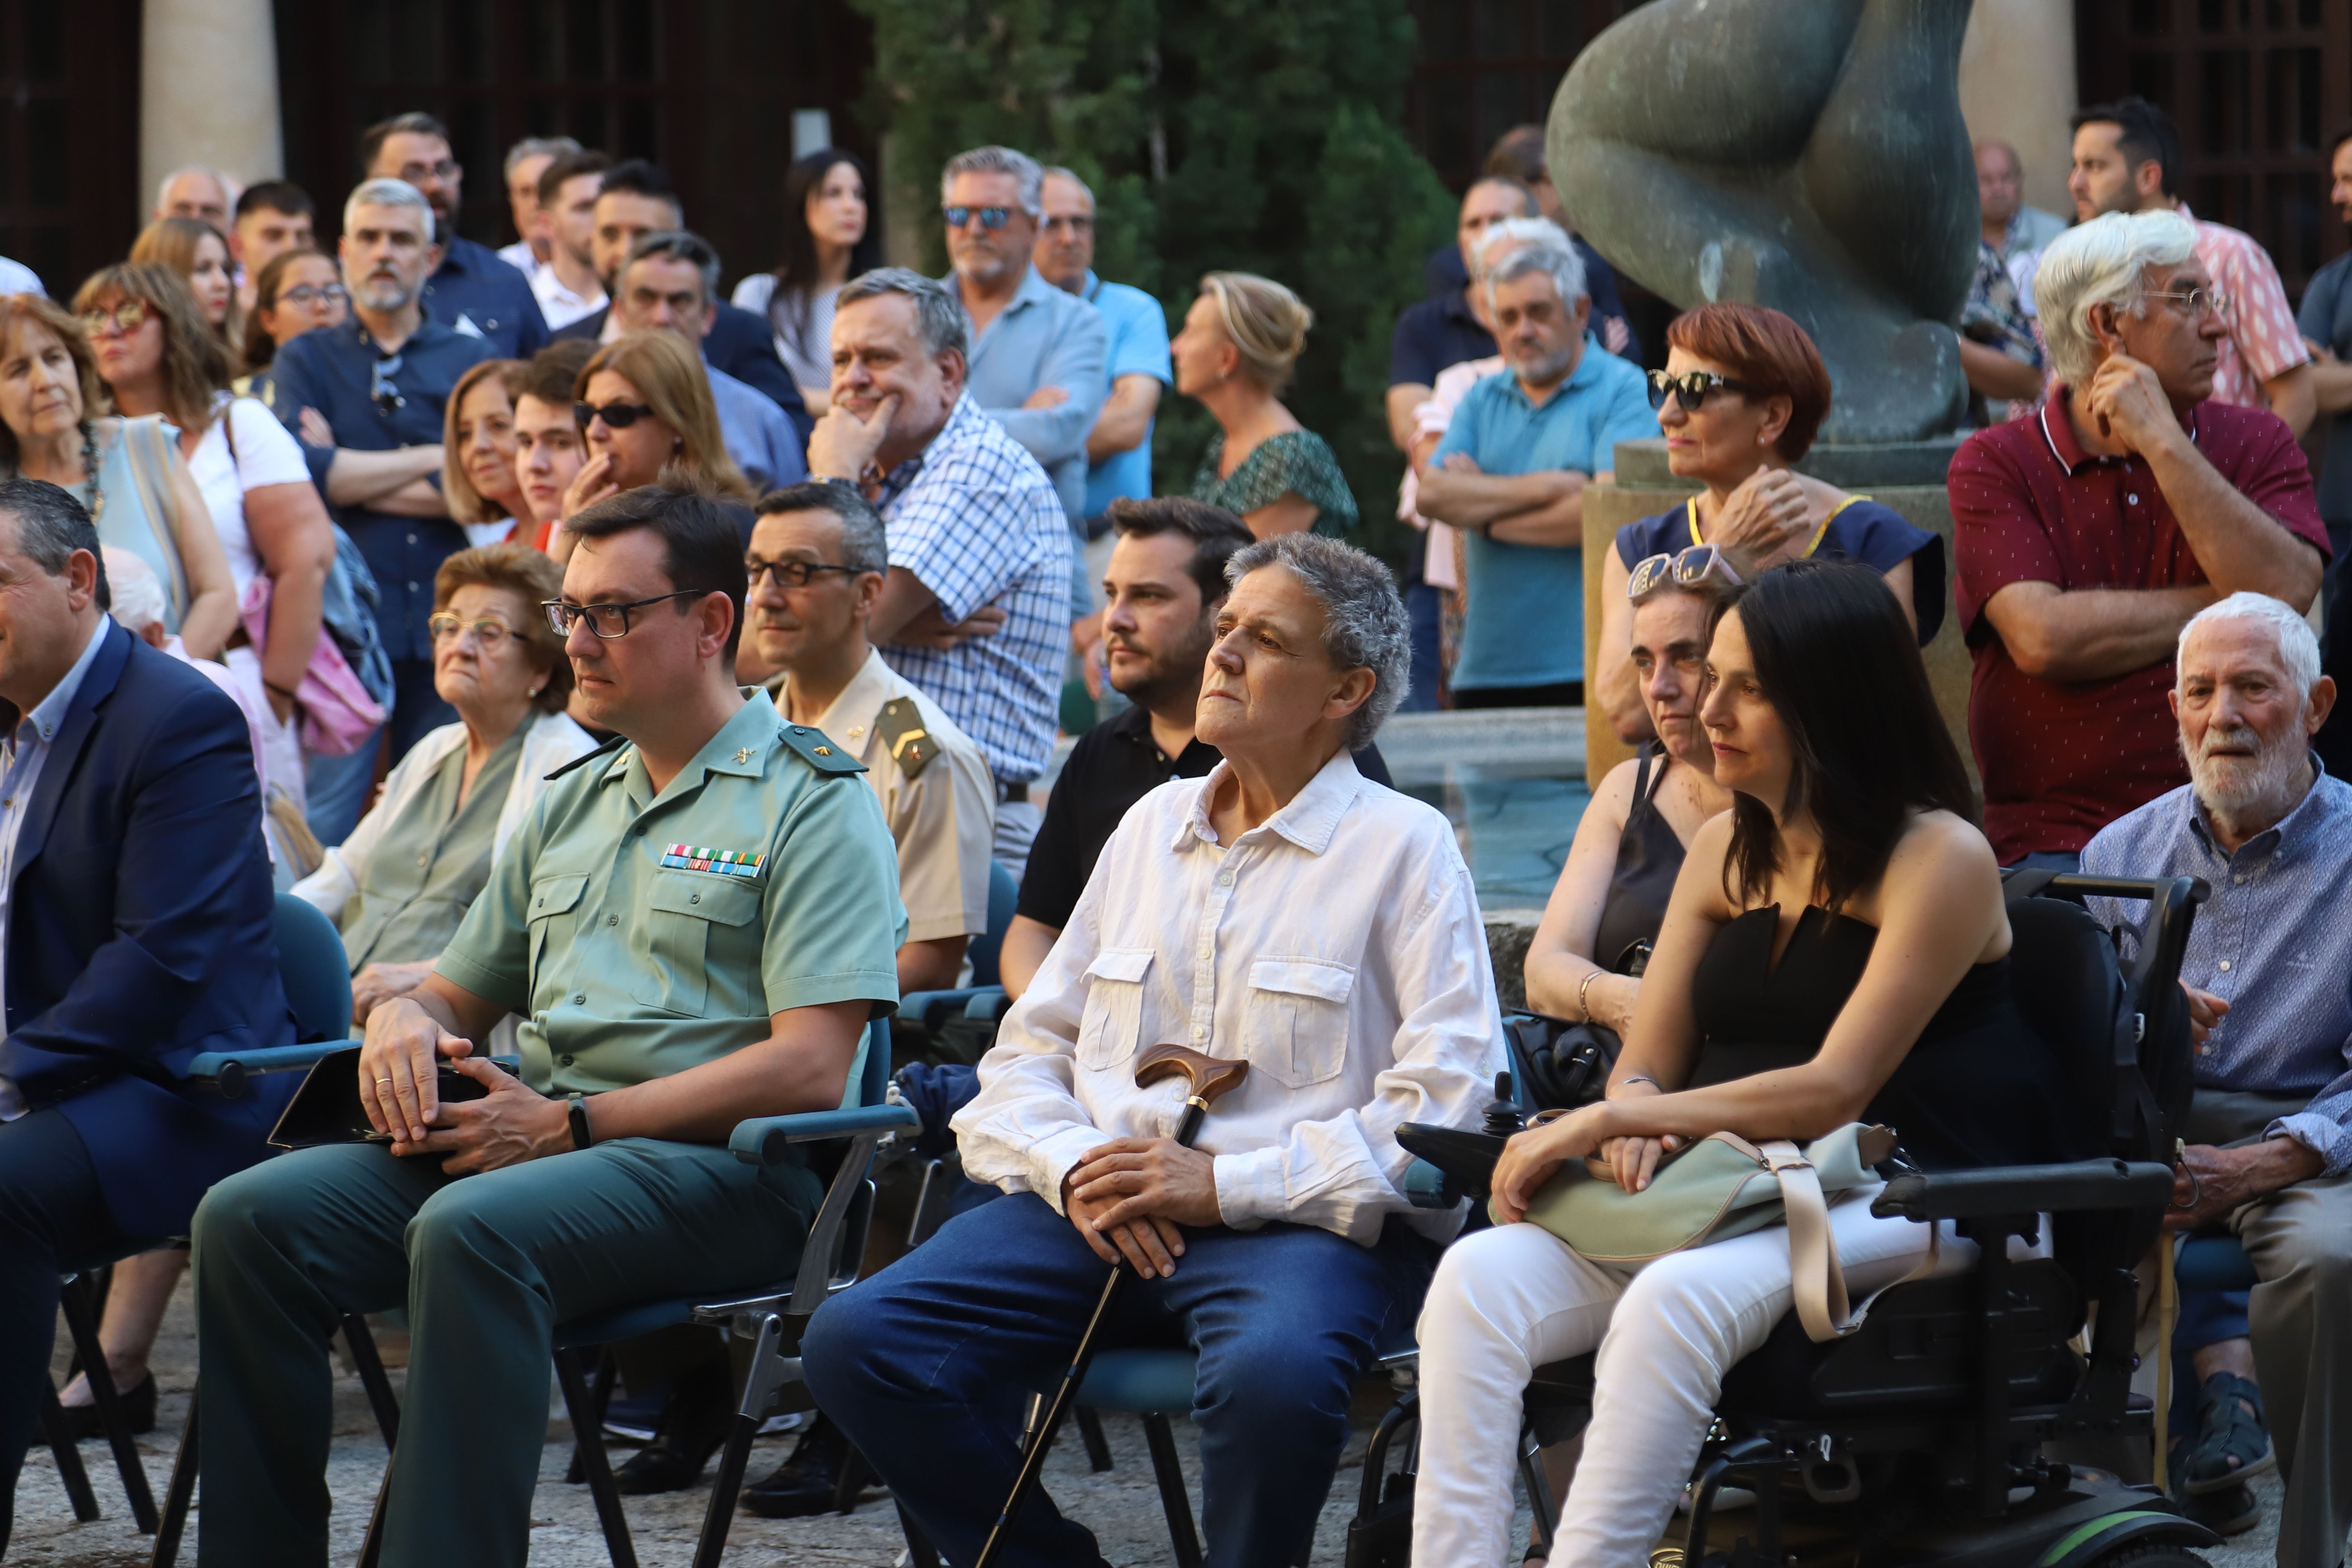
(1815, 1278)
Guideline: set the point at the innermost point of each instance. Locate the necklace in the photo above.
(96, 496)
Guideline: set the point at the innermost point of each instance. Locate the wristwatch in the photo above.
(577, 1109)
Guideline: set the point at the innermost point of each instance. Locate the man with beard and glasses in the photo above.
(367, 398)
(1164, 584)
(469, 289)
(2269, 976)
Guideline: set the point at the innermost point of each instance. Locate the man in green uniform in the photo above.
(695, 927)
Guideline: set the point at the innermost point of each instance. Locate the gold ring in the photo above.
(384, 1080)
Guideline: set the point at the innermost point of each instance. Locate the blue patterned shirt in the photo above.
(2274, 940)
(977, 521)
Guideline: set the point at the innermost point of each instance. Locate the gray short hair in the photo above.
(2298, 645)
(538, 147)
(1364, 622)
(2102, 262)
(864, 543)
(1000, 160)
(387, 193)
(938, 315)
(1556, 260)
(678, 246)
(1058, 173)
(1513, 231)
(230, 188)
(51, 524)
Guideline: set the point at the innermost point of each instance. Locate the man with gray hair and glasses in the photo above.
(2269, 975)
(2086, 536)
(1037, 352)
(670, 283)
(1282, 1247)
(976, 607)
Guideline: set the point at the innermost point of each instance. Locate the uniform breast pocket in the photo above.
(1295, 1029)
(684, 916)
(554, 909)
(1112, 1024)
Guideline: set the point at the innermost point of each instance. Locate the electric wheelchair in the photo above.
(1922, 1438)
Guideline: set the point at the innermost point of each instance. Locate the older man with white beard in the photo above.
(2269, 975)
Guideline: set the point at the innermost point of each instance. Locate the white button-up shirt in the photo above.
(1337, 946)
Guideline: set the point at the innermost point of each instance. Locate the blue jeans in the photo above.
(912, 1364)
(2065, 862)
(336, 790)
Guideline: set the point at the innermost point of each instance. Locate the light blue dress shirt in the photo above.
(1139, 346)
(1043, 337)
(759, 435)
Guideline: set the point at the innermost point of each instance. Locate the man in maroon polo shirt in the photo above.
(2085, 537)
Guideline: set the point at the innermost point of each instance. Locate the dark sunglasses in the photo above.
(1689, 568)
(1691, 389)
(990, 218)
(386, 396)
(791, 573)
(616, 416)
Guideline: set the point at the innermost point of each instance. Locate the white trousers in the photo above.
(1508, 1300)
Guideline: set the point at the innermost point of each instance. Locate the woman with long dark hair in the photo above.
(1835, 949)
(828, 241)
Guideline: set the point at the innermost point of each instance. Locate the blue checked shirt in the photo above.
(978, 522)
(2274, 940)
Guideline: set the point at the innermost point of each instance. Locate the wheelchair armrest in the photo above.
(763, 1139)
(1466, 1159)
(225, 1072)
(2024, 1189)
(1427, 1187)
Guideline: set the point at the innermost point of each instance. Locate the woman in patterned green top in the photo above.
(1240, 339)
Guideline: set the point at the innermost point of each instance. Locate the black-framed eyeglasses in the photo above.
(990, 218)
(616, 416)
(1689, 568)
(791, 573)
(381, 390)
(1076, 222)
(446, 627)
(606, 621)
(313, 293)
(1691, 389)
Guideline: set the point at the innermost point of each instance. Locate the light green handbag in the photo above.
(1722, 1186)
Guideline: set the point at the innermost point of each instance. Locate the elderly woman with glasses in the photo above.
(399, 885)
(1742, 396)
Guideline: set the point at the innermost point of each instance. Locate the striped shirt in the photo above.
(978, 523)
(2274, 940)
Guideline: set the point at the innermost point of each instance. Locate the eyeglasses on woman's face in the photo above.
(606, 621)
(1691, 389)
(124, 318)
(308, 294)
(616, 416)
(1688, 569)
(488, 633)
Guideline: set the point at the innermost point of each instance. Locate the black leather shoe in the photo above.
(2231, 1513)
(138, 1404)
(691, 1430)
(808, 1482)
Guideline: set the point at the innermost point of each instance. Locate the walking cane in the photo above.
(1209, 1078)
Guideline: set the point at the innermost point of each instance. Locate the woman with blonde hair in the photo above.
(478, 446)
(158, 358)
(1241, 338)
(646, 416)
(128, 472)
(199, 253)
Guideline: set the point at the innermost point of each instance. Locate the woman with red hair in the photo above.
(1743, 393)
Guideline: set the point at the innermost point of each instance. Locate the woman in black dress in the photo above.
(1836, 949)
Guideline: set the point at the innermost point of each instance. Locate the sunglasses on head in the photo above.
(1691, 389)
(616, 416)
(126, 319)
(990, 218)
(1689, 568)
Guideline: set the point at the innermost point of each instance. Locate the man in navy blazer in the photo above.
(135, 931)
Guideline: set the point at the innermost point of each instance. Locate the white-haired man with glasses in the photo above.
(2086, 536)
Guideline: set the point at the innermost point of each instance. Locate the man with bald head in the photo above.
(2010, 227)
(196, 192)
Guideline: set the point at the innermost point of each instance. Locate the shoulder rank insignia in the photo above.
(809, 744)
(911, 746)
(702, 857)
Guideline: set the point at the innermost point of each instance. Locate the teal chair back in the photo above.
(311, 965)
(1003, 895)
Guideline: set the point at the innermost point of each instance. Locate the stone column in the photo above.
(2017, 85)
(208, 92)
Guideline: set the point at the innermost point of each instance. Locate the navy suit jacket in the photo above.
(739, 342)
(139, 935)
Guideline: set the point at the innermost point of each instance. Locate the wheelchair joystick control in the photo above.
(1503, 1115)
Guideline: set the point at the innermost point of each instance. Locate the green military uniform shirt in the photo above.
(638, 935)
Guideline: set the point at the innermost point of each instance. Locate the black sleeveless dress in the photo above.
(1649, 858)
(1977, 1087)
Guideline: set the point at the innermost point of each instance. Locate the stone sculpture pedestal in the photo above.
(1907, 476)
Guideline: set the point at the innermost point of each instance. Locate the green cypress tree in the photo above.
(1250, 135)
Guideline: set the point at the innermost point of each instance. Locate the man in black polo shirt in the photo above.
(1164, 584)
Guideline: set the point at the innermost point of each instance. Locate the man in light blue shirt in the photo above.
(1037, 353)
(670, 282)
(1137, 367)
(1512, 472)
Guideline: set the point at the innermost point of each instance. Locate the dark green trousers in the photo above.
(487, 1267)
